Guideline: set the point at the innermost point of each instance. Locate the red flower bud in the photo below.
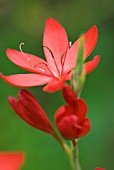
(68, 94)
(11, 160)
(30, 111)
(99, 169)
(70, 119)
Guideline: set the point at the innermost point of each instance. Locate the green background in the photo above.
(23, 21)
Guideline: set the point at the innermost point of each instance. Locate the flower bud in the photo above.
(30, 111)
(70, 119)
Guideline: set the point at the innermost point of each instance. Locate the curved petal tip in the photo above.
(91, 65)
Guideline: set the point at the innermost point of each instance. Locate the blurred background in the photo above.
(23, 21)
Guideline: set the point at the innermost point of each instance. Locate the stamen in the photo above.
(41, 69)
(40, 63)
(53, 58)
(70, 71)
(70, 44)
(63, 57)
(44, 70)
(20, 46)
(49, 51)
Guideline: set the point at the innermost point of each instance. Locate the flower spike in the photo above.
(60, 58)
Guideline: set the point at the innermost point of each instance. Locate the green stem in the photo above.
(72, 153)
(63, 145)
(66, 148)
(75, 159)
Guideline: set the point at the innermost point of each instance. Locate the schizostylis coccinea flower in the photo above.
(60, 55)
(11, 160)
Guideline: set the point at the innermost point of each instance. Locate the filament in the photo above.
(43, 69)
(63, 58)
(53, 59)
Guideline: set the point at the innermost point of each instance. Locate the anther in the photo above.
(70, 44)
(20, 46)
(43, 69)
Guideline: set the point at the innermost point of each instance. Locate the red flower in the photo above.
(60, 59)
(30, 111)
(11, 160)
(99, 169)
(70, 119)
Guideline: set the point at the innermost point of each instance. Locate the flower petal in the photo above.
(60, 113)
(99, 169)
(91, 65)
(90, 39)
(67, 123)
(55, 38)
(27, 61)
(11, 160)
(68, 94)
(70, 120)
(76, 106)
(29, 110)
(26, 80)
(54, 85)
(86, 128)
(80, 109)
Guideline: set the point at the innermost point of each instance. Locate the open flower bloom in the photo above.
(31, 112)
(70, 119)
(60, 56)
(11, 160)
(99, 169)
